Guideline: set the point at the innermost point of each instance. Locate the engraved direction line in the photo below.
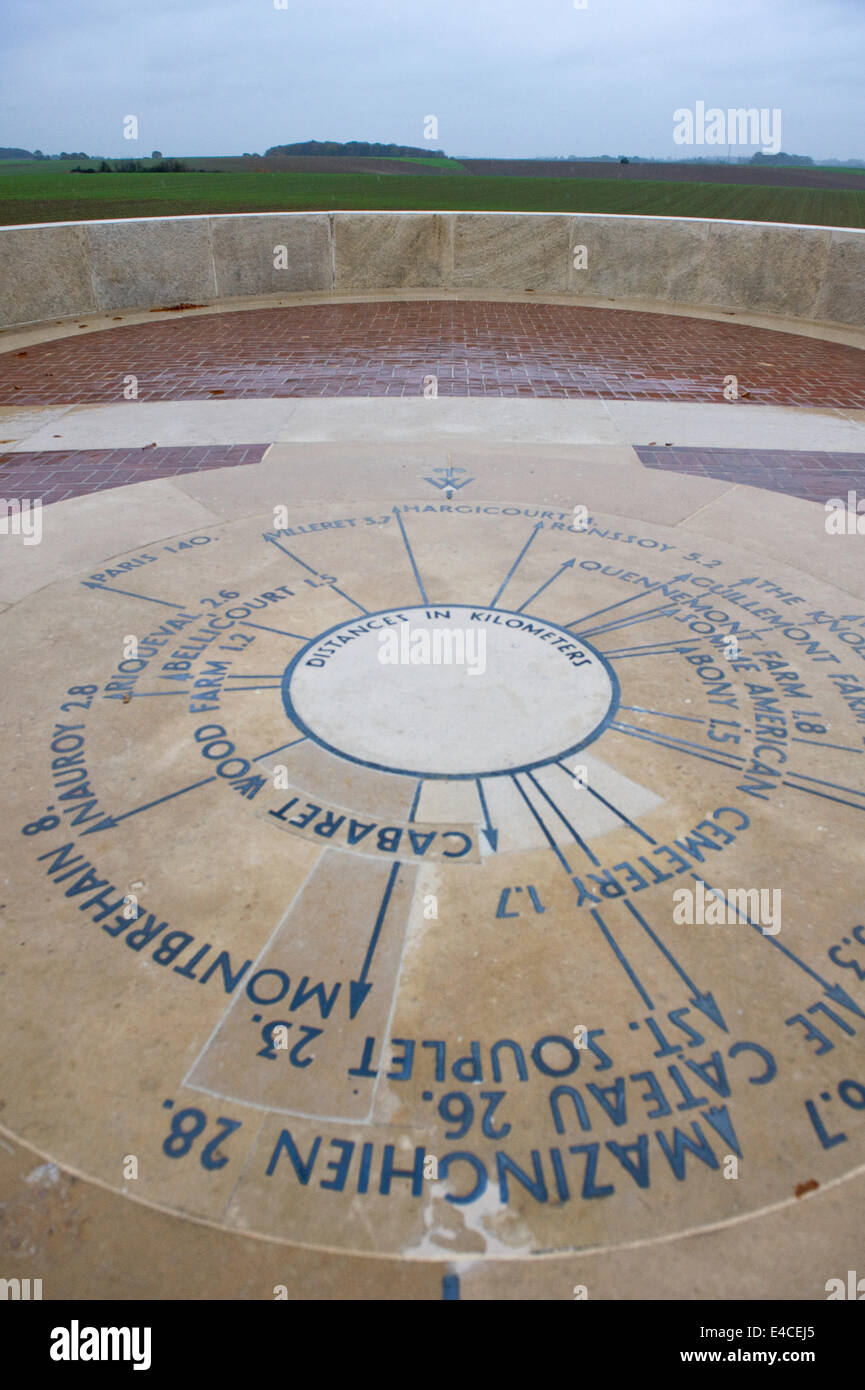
(271, 540)
(278, 630)
(410, 555)
(701, 999)
(517, 562)
(388, 1029)
(359, 989)
(671, 741)
(837, 786)
(824, 796)
(660, 742)
(487, 828)
(550, 841)
(818, 743)
(348, 599)
(663, 611)
(640, 593)
(142, 694)
(108, 822)
(226, 689)
(663, 714)
(569, 564)
(610, 807)
(835, 992)
(281, 749)
(563, 818)
(668, 648)
(291, 555)
(91, 584)
(621, 957)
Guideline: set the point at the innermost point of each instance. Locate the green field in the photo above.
(30, 194)
(452, 166)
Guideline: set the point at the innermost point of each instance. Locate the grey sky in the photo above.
(208, 77)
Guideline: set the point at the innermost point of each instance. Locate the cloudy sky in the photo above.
(502, 77)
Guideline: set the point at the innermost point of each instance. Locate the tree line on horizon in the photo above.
(365, 149)
(361, 149)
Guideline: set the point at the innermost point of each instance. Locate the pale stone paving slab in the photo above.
(431, 875)
(135, 424)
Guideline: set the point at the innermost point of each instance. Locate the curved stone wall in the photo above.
(69, 269)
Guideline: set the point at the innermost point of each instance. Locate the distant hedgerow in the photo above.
(139, 166)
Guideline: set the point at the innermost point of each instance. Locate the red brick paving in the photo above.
(56, 475)
(492, 349)
(475, 349)
(805, 473)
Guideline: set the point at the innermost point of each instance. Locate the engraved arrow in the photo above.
(569, 564)
(359, 989)
(328, 582)
(835, 992)
(701, 1000)
(487, 829)
(513, 569)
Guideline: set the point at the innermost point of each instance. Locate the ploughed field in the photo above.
(50, 192)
